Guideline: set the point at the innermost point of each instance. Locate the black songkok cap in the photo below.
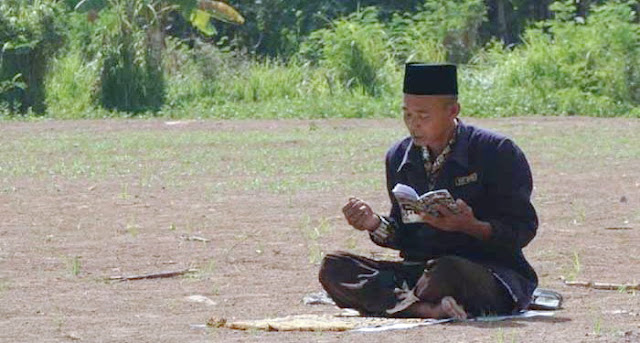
(430, 79)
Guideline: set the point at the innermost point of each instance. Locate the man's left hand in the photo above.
(461, 221)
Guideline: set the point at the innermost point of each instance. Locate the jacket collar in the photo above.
(459, 153)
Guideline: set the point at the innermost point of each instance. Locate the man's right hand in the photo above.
(360, 215)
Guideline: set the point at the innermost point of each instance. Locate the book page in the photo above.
(411, 205)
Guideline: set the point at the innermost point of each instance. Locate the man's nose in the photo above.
(414, 123)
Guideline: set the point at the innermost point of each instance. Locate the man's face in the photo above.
(430, 119)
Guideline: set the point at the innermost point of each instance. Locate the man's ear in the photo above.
(454, 110)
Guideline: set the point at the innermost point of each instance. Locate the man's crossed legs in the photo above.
(447, 287)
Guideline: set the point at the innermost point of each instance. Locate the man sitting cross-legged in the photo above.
(458, 263)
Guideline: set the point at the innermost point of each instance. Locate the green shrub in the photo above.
(30, 35)
(443, 30)
(131, 78)
(347, 105)
(269, 79)
(206, 77)
(565, 66)
(356, 51)
(70, 85)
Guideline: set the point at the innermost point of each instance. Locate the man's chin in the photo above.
(419, 141)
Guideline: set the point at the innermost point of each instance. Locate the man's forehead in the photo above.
(427, 100)
(439, 96)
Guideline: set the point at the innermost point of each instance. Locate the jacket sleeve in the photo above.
(514, 221)
(387, 234)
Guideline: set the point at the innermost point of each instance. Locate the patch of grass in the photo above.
(133, 230)
(322, 228)
(69, 85)
(251, 160)
(124, 191)
(259, 248)
(312, 231)
(315, 254)
(578, 148)
(205, 270)
(59, 320)
(505, 337)
(351, 243)
(74, 265)
(287, 160)
(313, 107)
(8, 189)
(580, 211)
(576, 267)
(4, 286)
(597, 326)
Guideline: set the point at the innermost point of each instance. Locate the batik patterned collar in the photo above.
(433, 166)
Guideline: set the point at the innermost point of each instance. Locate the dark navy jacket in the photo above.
(491, 174)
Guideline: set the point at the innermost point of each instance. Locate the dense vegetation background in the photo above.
(322, 58)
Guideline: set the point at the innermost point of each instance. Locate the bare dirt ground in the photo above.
(60, 237)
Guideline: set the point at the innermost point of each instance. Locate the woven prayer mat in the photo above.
(343, 322)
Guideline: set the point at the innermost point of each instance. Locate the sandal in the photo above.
(545, 299)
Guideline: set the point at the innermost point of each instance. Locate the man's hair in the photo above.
(450, 100)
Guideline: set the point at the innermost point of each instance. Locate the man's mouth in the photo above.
(419, 140)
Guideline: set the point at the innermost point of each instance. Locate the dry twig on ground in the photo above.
(603, 285)
(160, 275)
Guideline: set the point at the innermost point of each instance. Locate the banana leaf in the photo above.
(221, 11)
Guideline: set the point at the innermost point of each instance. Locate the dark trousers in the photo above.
(371, 287)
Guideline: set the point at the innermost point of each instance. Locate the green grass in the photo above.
(5, 285)
(313, 106)
(567, 147)
(504, 337)
(299, 158)
(247, 160)
(597, 326)
(74, 266)
(577, 267)
(312, 231)
(296, 158)
(69, 85)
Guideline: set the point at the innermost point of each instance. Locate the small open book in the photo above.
(411, 204)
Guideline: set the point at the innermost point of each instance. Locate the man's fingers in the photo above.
(357, 216)
(463, 207)
(357, 207)
(365, 209)
(352, 212)
(444, 210)
(428, 218)
(350, 207)
(349, 203)
(359, 223)
(357, 213)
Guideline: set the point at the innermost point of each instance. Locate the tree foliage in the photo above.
(516, 56)
(278, 27)
(566, 65)
(30, 34)
(132, 39)
(442, 30)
